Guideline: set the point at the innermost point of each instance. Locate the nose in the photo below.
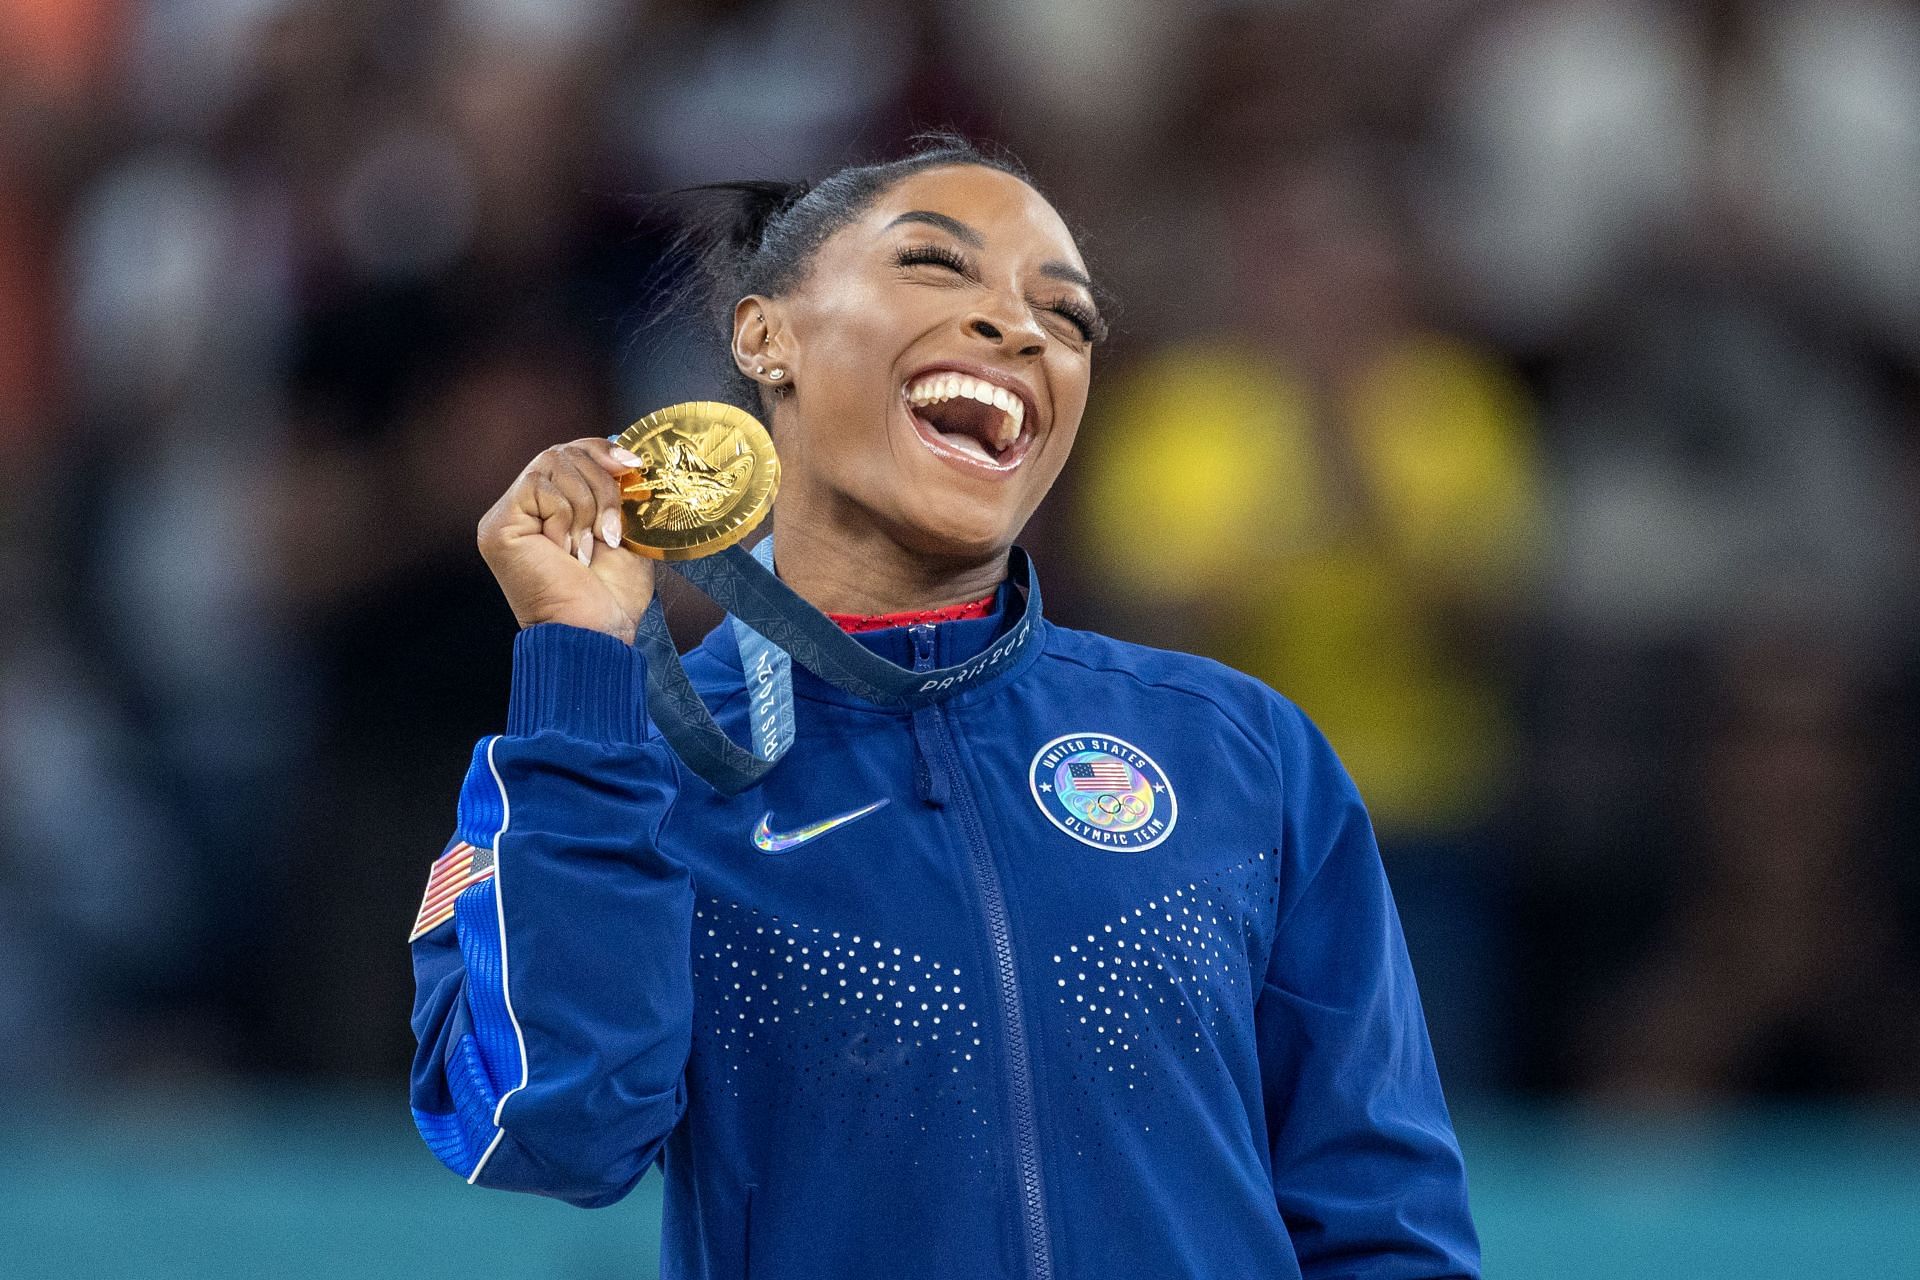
(1015, 332)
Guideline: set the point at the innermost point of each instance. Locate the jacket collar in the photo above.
(953, 643)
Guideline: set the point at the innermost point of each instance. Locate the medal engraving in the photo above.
(709, 480)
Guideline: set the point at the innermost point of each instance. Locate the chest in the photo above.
(1120, 843)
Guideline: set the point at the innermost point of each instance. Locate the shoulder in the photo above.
(1198, 684)
(1241, 719)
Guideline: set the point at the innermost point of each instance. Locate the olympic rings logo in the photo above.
(1108, 808)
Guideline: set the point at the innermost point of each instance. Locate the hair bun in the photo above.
(746, 208)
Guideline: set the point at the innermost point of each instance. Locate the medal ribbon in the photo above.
(775, 628)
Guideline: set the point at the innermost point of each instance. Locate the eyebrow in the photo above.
(1055, 270)
(952, 226)
(1071, 274)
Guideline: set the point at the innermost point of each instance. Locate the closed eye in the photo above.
(938, 255)
(1082, 317)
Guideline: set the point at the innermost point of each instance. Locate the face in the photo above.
(937, 356)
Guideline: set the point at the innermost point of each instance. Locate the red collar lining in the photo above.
(854, 622)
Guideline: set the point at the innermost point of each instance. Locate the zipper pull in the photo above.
(930, 775)
(922, 635)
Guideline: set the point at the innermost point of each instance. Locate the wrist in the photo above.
(614, 624)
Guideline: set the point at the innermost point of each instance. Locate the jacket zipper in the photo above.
(1033, 1205)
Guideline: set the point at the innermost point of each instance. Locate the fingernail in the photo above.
(626, 459)
(585, 550)
(610, 527)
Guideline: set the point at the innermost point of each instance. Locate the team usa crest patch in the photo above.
(1103, 792)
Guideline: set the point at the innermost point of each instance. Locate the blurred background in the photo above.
(1528, 388)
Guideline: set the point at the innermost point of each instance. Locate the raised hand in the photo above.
(553, 541)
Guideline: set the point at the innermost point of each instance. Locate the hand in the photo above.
(553, 542)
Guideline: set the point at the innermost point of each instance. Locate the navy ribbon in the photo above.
(774, 625)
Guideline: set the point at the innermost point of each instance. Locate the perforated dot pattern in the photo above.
(885, 1042)
(1160, 994)
(864, 1033)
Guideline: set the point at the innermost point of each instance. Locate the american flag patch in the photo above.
(1105, 774)
(453, 871)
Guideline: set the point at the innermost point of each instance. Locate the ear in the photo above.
(759, 343)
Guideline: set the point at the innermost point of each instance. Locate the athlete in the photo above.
(1087, 970)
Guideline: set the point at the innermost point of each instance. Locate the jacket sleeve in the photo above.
(553, 1010)
(1366, 1169)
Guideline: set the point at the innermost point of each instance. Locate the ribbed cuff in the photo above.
(585, 684)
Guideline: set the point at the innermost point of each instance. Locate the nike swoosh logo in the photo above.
(767, 840)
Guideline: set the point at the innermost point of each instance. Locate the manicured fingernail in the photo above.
(626, 459)
(610, 527)
(585, 549)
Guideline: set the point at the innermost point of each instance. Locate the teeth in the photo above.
(938, 387)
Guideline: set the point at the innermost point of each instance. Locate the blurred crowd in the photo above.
(1528, 388)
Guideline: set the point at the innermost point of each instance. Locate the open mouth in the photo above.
(969, 419)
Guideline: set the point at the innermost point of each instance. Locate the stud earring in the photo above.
(759, 368)
(775, 374)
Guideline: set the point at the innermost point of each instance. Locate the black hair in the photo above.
(760, 237)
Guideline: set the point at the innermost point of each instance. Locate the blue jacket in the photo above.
(1090, 970)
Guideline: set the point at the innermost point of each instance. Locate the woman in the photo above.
(1088, 970)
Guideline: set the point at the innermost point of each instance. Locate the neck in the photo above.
(864, 572)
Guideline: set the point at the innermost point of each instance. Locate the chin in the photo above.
(952, 527)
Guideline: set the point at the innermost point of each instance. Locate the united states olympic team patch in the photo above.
(1103, 792)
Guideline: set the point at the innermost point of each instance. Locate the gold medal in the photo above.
(709, 480)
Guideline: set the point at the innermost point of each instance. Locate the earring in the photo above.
(776, 373)
(759, 368)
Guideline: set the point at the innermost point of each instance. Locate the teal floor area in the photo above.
(298, 1186)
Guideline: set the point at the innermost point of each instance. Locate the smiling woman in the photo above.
(1078, 962)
